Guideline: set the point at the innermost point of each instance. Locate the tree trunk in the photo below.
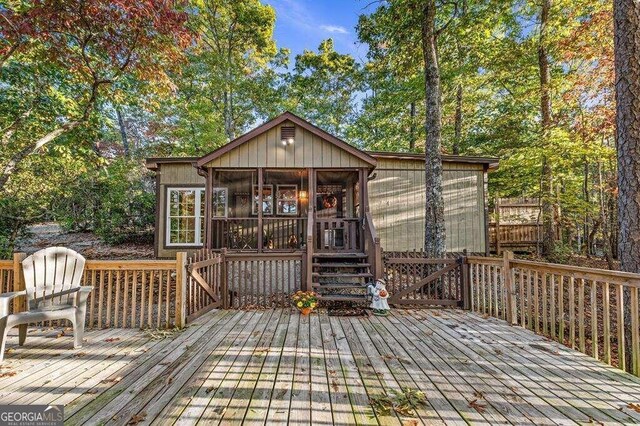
(585, 192)
(434, 238)
(604, 219)
(546, 181)
(228, 116)
(10, 167)
(123, 133)
(458, 121)
(412, 129)
(627, 65)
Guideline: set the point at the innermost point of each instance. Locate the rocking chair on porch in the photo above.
(53, 292)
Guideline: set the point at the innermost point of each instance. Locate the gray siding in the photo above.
(397, 197)
(172, 175)
(308, 150)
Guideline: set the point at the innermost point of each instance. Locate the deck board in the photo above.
(277, 367)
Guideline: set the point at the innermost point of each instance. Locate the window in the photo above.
(287, 198)
(267, 200)
(219, 202)
(185, 216)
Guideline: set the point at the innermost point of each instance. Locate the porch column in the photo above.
(311, 179)
(260, 199)
(364, 193)
(208, 232)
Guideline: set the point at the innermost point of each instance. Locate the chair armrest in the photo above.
(6, 298)
(83, 294)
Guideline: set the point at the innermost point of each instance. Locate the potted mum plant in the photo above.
(305, 301)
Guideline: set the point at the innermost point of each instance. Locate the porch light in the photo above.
(303, 195)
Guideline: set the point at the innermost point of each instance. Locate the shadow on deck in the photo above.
(250, 366)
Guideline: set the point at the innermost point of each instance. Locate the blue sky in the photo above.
(303, 24)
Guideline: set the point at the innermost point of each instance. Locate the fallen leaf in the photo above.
(634, 406)
(92, 391)
(112, 339)
(478, 395)
(80, 354)
(209, 389)
(138, 418)
(8, 374)
(480, 408)
(113, 380)
(334, 385)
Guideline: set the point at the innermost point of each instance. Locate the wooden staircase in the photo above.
(341, 276)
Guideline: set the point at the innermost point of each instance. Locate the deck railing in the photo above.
(582, 308)
(413, 279)
(126, 293)
(279, 233)
(6, 276)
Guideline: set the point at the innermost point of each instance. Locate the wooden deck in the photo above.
(235, 366)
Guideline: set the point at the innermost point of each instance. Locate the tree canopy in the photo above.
(88, 89)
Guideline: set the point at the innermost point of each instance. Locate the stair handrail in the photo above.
(372, 246)
(310, 247)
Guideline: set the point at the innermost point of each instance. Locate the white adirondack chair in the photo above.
(52, 290)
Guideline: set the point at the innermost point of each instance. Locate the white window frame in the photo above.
(277, 198)
(200, 198)
(254, 206)
(226, 202)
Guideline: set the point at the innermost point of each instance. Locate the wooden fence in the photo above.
(241, 280)
(206, 283)
(413, 279)
(264, 279)
(126, 293)
(576, 306)
(6, 276)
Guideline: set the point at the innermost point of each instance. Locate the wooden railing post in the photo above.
(497, 233)
(308, 284)
(181, 289)
(466, 281)
(507, 279)
(224, 280)
(18, 281)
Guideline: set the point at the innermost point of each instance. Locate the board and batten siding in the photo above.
(397, 203)
(307, 150)
(172, 176)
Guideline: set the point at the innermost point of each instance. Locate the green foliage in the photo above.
(403, 402)
(212, 70)
(117, 202)
(323, 88)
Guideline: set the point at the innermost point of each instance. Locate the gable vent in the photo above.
(287, 134)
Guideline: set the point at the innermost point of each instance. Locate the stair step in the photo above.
(343, 298)
(339, 255)
(341, 265)
(340, 275)
(338, 286)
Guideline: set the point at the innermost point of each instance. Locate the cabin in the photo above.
(288, 186)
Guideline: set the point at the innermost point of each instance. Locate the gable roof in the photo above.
(279, 120)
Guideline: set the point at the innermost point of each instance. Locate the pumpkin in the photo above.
(383, 293)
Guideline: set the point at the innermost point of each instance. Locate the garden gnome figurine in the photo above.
(379, 296)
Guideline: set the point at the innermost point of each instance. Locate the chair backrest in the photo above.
(50, 274)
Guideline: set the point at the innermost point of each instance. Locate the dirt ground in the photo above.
(86, 243)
